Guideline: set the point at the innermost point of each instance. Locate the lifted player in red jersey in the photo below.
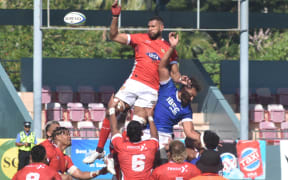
(140, 90)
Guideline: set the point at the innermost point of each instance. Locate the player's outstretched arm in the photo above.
(77, 173)
(114, 34)
(112, 115)
(189, 131)
(175, 74)
(153, 129)
(163, 70)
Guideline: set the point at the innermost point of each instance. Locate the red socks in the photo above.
(104, 133)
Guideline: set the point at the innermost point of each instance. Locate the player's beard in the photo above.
(185, 98)
(154, 36)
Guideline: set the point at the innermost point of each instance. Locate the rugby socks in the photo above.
(104, 133)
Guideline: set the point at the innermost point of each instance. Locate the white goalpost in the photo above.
(198, 28)
(242, 27)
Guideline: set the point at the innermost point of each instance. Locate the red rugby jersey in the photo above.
(148, 54)
(39, 171)
(172, 171)
(136, 159)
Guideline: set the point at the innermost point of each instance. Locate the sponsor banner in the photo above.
(250, 158)
(9, 158)
(81, 148)
(235, 155)
(284, 159)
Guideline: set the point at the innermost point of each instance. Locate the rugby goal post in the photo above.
(143, 28)
(242, 27)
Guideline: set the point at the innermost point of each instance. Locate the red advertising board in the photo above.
(249, 158)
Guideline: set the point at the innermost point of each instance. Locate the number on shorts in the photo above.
(33, 176)
(138, 162)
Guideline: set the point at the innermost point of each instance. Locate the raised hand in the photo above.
(184, 80)
(112, 102)
(173, 39)
(116, 10)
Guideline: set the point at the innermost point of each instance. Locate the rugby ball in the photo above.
(75, 18)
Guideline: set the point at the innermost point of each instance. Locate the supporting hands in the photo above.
(116, 10)
(112, 105)
(173, 39)
(98, 172)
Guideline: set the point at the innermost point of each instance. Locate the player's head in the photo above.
(155, 27)
(192, 148)
(62, 136)
(177, 151)
(134, 131)
(38, 153)
(210, 162)
(50, 127)
(209, 139)
(189, 92)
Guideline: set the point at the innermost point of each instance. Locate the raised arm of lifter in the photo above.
(114, 34)
(153, 129)
(163, 70)
(112, 116)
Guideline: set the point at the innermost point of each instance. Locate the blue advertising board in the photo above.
(81, 148)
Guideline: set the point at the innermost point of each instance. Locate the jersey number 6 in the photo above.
(138, 162)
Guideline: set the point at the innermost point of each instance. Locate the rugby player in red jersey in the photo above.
(176, 168)
(61, 140)
(38, 169)
(140, 90)
(136, 157)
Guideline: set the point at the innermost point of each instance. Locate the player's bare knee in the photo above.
(121, 106)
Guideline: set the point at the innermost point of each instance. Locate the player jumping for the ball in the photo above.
(141, 88)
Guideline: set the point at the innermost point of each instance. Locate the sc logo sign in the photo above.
(9, 162)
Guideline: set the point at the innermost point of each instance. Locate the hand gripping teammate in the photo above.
(141, 88)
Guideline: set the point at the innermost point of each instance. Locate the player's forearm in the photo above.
(189, 130)
(114, 28)
(113, 122)
(193, 134)
(175, 74)
(66, 177)
(165, 59)
(83, 175)
(153, 129)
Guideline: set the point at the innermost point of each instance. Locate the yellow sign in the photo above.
(9, 158)
(9, 162)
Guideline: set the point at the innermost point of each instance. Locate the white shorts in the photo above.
(164, 138)
(135, 93)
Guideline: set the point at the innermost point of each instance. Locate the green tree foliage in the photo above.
(193, 44)
(210, 48)
(273, 47)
